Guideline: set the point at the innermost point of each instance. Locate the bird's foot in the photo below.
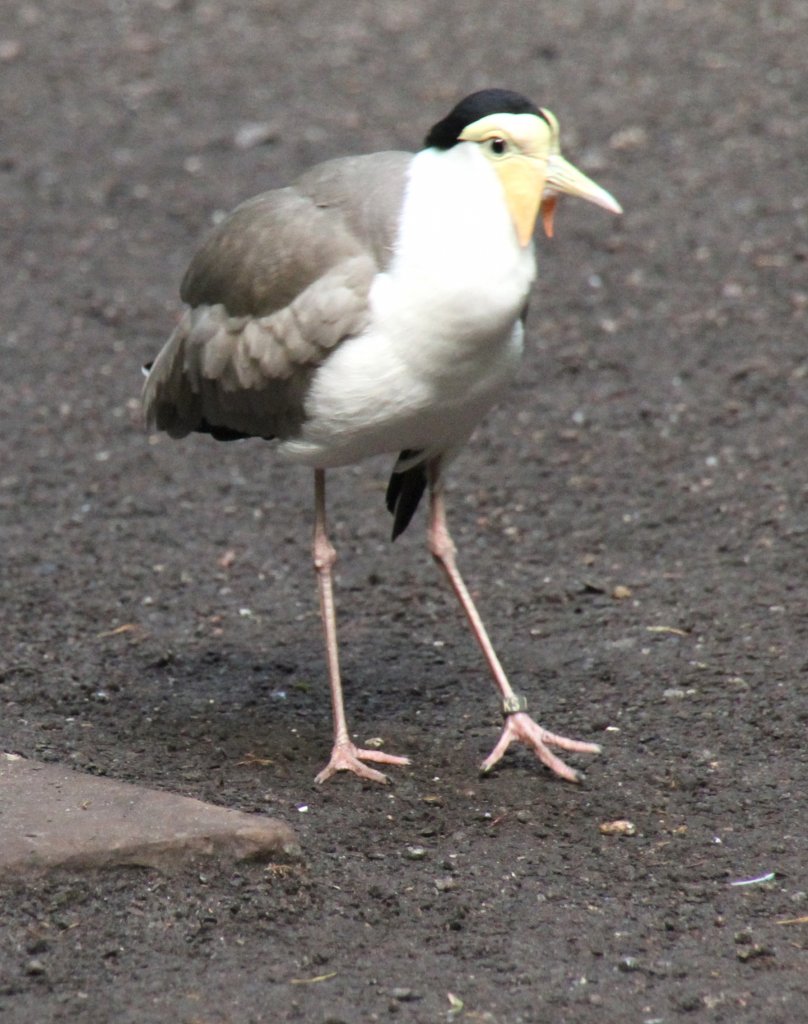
(520, 728)
(345, 757)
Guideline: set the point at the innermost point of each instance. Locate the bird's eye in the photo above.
(498, 146)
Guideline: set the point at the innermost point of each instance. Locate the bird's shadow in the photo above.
(240, 703)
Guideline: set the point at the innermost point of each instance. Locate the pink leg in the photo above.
(345, 756)
(519, 726)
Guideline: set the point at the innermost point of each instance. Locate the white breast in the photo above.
(445, 336)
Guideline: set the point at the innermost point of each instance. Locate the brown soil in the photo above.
(160, 621)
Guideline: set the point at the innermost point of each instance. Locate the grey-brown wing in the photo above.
(368, 191)
(275, 287)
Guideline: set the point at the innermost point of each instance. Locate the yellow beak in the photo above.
(562, 177)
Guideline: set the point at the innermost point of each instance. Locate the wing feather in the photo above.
(272, 290)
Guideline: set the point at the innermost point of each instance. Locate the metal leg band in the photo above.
(512, 705)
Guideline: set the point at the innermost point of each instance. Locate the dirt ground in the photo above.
(633, 522)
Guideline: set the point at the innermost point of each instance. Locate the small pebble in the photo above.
(255, 133)
(405, 995)
(10, 49)
(415, 853)
(745, 953)
(620, 827)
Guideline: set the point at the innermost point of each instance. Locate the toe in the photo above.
(520, 728)
(345, 757)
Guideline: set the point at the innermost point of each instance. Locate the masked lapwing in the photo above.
(377, 305)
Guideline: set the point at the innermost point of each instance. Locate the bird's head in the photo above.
(521, 141)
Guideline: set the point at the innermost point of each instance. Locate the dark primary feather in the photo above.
(222, 433)
(404, 492)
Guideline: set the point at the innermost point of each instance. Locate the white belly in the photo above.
(366, 401)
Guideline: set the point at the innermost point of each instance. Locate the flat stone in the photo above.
(51, 816)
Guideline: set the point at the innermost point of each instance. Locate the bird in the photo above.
(377, 305)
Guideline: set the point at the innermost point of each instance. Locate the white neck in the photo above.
(458, 263)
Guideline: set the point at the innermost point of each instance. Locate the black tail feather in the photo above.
(404, 492)
(219, 433)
